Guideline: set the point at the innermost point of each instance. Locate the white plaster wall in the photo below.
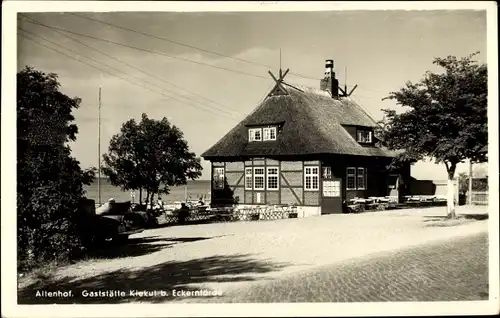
(306, 211)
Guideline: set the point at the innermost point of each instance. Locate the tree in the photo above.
(446, 117)
(49, 181)
(150, 156)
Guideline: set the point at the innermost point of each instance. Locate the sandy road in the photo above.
(230, 256)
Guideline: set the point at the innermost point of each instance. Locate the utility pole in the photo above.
(345, 81)
(280, 62)
(99, 150)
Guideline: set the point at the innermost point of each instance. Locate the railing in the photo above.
(480, 197)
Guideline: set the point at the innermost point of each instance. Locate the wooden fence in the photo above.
(480, 197)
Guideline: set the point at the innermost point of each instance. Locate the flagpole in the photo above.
(99, 151)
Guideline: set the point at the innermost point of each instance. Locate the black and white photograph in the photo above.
(249, 158)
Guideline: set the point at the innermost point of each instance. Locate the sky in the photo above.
(381, 50)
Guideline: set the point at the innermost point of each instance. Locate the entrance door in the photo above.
(331, 199)
(393, 185)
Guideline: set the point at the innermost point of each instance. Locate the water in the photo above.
(195, 189)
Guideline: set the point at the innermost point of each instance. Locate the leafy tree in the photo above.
(49, 181)
(446, 117)
(151, 156)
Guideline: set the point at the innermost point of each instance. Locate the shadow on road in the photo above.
(167, 277)
(478, 217)
(467, 216)
(139, 246)
(132, 248)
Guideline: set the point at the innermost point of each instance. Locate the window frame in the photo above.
(273, 175)
(251, 134)
(312, 176)
(247, 185)
(369, 139)
(356, 175)
(352, 175)
(215, 184)
(362, 175)
(269, 129)
(263, 175)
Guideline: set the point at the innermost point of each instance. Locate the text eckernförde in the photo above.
(150, 293)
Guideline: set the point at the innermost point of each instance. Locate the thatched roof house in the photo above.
(310, 122)
(310, 147)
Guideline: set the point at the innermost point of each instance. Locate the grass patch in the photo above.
(43, 273)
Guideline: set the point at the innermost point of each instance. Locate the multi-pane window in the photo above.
(356, 178)
(269, 133)
(311, 178)
(218, 178)
(248, 178)
(255, 134)
(258, 179)
(361, 179)
(351, 178)
(272, 178)
(364, 136)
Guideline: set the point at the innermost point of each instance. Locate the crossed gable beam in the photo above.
(278, 88)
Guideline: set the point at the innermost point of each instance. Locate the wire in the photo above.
(93, 66)
(115, 69)
(183, 44)
(154, 52)
(161, 53)
(140, 70)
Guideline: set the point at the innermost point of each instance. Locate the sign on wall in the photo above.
(331, 188)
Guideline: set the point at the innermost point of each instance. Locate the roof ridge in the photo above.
(317, 91)
(308, 89)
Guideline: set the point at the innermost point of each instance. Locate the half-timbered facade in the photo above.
(313, 148)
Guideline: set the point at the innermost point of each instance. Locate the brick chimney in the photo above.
(329, 82)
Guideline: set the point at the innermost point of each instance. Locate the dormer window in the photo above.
(262, 134)
(364, 136)
(269, 133)
(255, 134)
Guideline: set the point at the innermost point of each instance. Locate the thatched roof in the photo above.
(311, 124)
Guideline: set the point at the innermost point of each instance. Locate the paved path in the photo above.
(447, 271)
